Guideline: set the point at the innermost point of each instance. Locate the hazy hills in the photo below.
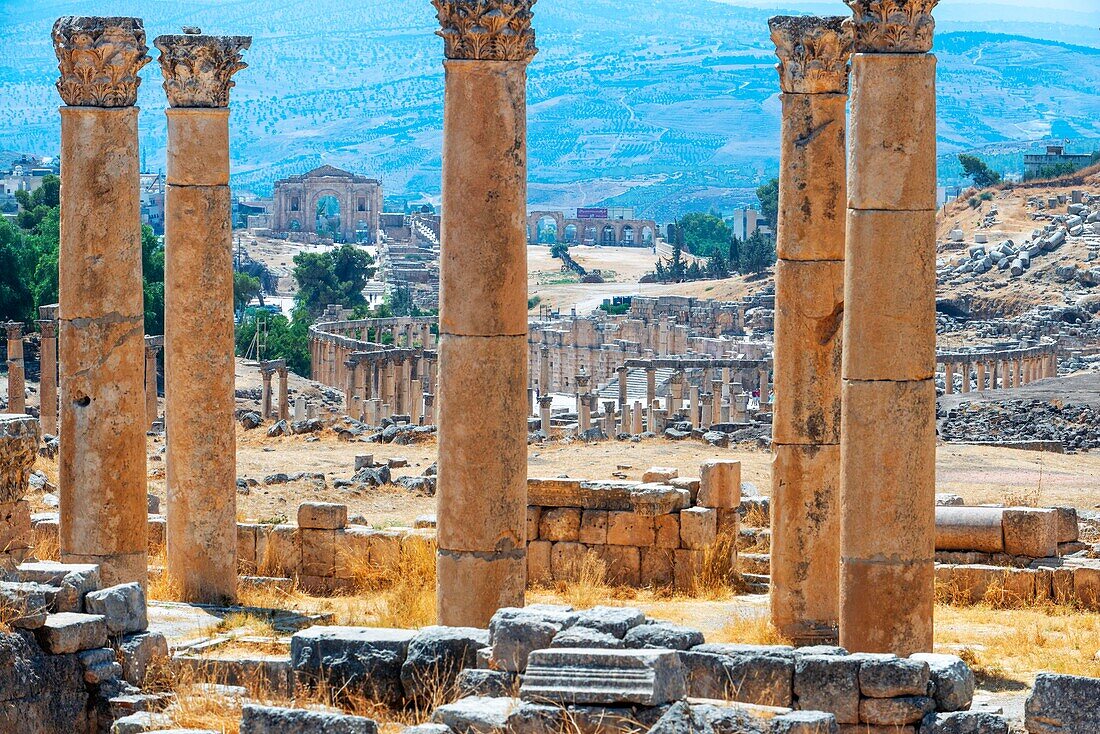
(664, 104)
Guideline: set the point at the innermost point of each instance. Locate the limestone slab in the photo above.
(584, 676)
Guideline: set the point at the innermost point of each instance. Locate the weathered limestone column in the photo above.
(47, 380)
(888, 435)
(966, 376)
(265, 391)
(636, 418)
(809, 306)
(622, 372)
(198, 318)
(284, 388)
(650, 384)
(102, 315)
(716, 401)
(482, 510)
(544, 370)
(18, 449)
(17, 390)
(349, 388)
(152, 349)
(981, 376)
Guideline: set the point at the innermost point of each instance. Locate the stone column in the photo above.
(809, 305)
(650, 384)
(675, 393)
(284, 397)
(152, 348)
(198, 322)
(18, 449)
(693, 405)
(265, 391)
(966, 376)
(981, 376)
(716, 401)
(636, 418)
(888, 433)
(621, 373)
(349, 388)
(47, 385)
(102, 463)
(17, 390)
(482, 501)
(544, 369)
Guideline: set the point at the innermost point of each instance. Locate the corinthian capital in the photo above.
(893, 26)
(198, 69)
(486, 30)
(99, 60)
(813, 53)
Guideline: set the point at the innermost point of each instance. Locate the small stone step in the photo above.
(757, 583)
(70, 632)
(754, 563)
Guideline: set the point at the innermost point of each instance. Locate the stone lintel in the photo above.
(893, 26)
(486, 30)
(99, 59)
(198, 68)
(813, 53)
(597, 676)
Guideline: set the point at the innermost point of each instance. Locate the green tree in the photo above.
(245, 288)
(757, 253)
(152, 270)
(768, 194)
(400, 302)
(717, 266)
(677, 269)
(703, 234)
(332, 277)
(559, 250)
(36, 204)
(978, 171)
(283, 338)
(16, 268)
(734, 257)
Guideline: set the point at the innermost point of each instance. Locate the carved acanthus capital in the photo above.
(99, 60)
(486, 30)
(893, 26)
(198, 69)
(813, 53)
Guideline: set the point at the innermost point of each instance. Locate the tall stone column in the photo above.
(47, 380)
(265, 391)
(284, 391)
(102, 463)
(809, 305)
(981, 376)
(198, 317)
(888, 432)
(17, 389)
(482, 511)
(18, 449)
(622, 373)
(152, 349)
(650, 384)
(544, 369)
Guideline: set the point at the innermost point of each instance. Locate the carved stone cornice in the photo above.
(198, 69)
(486, 30)
(99, 60)
(893, 26)
(813, 53)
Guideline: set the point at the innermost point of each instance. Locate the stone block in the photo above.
(1086, 586)
(560, 524)
(577, 676)
(514, 633)
(281, 551)
(667, 531)
(257, 719)
(492, 683)
(804, 722)
(895, 711)
(352, 551)
(965, 722)
(623, 563)
(615, 621)
(1063, 704)
(318, 552)
(566, 560)
(756, 674)
(698, 527)
(969, 529)
(593, 527)
(828, 683)
(435, 657)
(1030, 531)
(352, 660)
(476, 715)
(691, 484)
(73, 579)
(538, 562)
(141, 652)
(657, 566)
(385, 548)
(68, 632)
(720, 483)
(660, 474)
(157, 531)
(534, 514)
(887, 678)
(586, 637)
(629, 528)
(122, 606)
(663, 635)
(246, 548)
(322, 515)
(25, 605)
(1068, 529)
(954, 681)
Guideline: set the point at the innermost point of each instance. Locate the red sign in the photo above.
(592, 213)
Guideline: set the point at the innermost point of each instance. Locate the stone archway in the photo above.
(626, 236)
(647, 236)
(570, 234)
(608, 236)
(590, 236)
(328, 212)
(546, 230)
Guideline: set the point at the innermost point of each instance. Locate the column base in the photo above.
(118, 568)
(473, 585)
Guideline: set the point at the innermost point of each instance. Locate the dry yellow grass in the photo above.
(750, 630)
(1012, 645)
(589, 587)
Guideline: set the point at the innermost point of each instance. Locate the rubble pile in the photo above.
(1077, 427)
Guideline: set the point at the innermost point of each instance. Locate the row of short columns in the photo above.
(999, 372)
(269, 406)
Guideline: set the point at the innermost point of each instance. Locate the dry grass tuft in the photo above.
(755, 517)
(47, 546)
(717, 577)
(588, 586)
(398, 592)
(750, 630)
(256, 624)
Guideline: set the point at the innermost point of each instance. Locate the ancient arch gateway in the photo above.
(358, 198)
